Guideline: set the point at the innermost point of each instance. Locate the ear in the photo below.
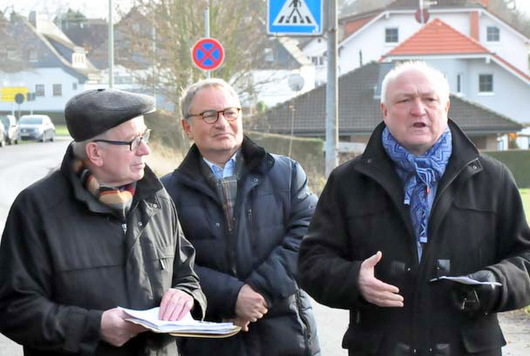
(384, 110)
(447, 106)
(94, 154)
(187, 128)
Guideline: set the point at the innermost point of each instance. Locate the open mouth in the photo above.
(419, 125)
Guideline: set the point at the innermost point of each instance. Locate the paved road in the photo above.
(21, 165)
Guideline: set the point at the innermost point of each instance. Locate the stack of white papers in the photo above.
(465, 280)
(184, 327)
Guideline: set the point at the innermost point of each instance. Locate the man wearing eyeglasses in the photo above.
(98, 233)
(245, 211)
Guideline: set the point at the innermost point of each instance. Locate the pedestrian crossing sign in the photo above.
(294, 17)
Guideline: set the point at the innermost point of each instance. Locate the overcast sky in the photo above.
(99, 8)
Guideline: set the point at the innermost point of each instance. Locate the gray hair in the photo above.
(79, 148)
(437, 78)
(189, 93)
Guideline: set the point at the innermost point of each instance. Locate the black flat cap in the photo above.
(95, 111)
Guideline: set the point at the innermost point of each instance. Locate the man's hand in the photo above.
(475, 300)
(115, 330)
(175, 305)
(375, 291)
(250, 305)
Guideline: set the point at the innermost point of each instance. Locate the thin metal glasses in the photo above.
(133, 144)
(211, 116)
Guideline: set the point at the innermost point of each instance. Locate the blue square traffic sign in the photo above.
(294, 17)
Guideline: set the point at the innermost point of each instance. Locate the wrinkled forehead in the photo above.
(416, 82)
(215, 95)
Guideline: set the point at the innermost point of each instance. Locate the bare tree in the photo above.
(12, 54)
(159, 35)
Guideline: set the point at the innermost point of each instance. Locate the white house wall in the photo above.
(510, 94)
(48, 77)
(510, 47)
(273, 85)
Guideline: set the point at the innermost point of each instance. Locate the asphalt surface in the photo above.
(21, 165)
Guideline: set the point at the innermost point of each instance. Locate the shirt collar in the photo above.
(228, 169)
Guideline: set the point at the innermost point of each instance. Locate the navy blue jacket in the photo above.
(272, 213)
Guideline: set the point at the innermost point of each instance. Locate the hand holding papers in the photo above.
(185, 327)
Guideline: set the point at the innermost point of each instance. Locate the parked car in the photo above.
(3, 136)
(10, 127)
(36, 127)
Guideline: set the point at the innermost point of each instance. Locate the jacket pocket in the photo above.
(485, 334)
(360, 341)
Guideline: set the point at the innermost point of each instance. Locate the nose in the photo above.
(143, 149)
(221, 120)
(417, 108)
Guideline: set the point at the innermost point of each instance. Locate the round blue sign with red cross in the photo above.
(208, 53)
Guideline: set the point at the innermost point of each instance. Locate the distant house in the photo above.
(55, 68)
(368, 36)
(284, 73)
(359, 112)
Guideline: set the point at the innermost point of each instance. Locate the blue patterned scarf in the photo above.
(420, 175)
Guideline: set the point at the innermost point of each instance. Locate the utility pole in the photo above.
(111, 47)
(332, 88)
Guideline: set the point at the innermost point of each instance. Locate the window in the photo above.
(317, 60)
(39, 90)
(391, 35)
(459, 84)
(493, 34)
(57, 90)
(74, 86)
(485, 83)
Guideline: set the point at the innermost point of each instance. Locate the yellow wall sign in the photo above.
(8, 93)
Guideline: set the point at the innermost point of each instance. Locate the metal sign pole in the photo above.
(207, 28)
(111, 47)
(332, 89)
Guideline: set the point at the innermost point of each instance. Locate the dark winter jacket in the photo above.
(64, 259)
(272, 213)
(477, 221)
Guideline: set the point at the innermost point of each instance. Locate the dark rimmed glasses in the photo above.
(211, 116)
(133, 144)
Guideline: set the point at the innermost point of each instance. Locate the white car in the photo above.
(36, 127)
(10, 127)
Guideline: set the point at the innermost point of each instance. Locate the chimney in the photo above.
(33, 18)
(474, 32)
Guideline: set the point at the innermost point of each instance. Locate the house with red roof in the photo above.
(368, 36)
(474, 71)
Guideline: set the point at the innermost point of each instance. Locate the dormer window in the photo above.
(33, 55)
(268, 55)
(493, 34)
(78, 60)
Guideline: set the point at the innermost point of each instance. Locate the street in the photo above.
(21, 165)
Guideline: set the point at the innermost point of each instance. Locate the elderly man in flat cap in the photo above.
(98, 233)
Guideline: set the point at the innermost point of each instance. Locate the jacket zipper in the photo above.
(307, 331)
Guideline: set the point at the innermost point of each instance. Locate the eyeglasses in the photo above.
(211, 116)
(133, 144)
